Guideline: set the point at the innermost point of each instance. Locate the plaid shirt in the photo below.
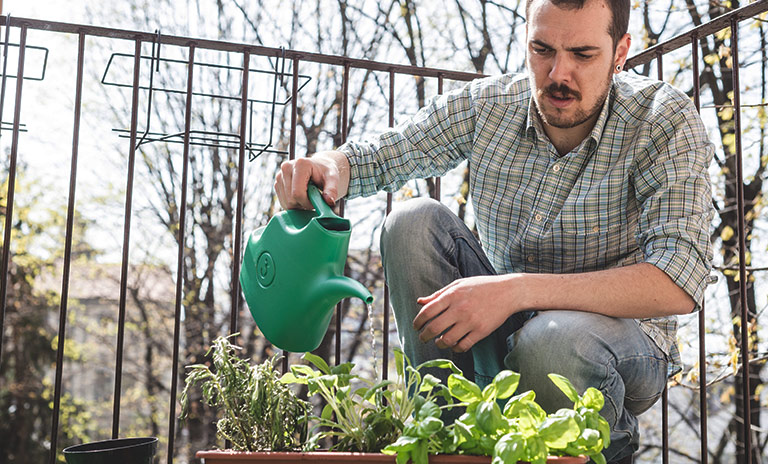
(635, 190)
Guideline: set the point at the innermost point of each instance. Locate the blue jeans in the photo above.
(425, 246)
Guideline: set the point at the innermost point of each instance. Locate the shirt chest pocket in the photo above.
(590, 216)
(593, 235)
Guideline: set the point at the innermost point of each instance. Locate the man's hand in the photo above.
(466, 311)
(328, 170)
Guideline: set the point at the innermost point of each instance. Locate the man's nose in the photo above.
(562, 69)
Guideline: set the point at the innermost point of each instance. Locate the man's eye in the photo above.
(583, 56)
(541, 50)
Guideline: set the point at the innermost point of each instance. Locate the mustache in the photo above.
(561, 91)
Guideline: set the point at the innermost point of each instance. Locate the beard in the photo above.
(556, 117)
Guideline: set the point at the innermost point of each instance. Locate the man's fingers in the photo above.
(429, 312)
(450, 338)
(302, 172)
(435, 327)
(429, 298)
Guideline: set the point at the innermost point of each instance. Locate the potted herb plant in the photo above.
(395, 420)
(259, 411)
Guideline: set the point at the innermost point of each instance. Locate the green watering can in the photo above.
(293, 274)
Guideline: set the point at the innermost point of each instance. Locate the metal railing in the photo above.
(246, 51)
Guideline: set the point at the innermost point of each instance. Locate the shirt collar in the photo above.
(535, 129)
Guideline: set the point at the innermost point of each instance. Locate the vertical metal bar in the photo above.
(703, 387)
(11, 181)
(385, 324)
(180, 255)
(294, 109)
(126, 242)
(702, 320)
(659, 65)
(236, 258)
(292, 147)
(665, 425)
(5, 68)
(742, 241)
(344, 128)
(665, 395)
(438, 180)
(67, 251)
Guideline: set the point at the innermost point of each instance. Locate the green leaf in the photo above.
(489, 418)
(510, 448)
(557, 432)
(289, 378)
(327, 412)
(318, 362)
(462, 389)
(565, 386)
(537, 450)
(598, 458)
(593, 398)
(506, 383)
(439, 363)
(403, 458)
(403, 443)
(367, 394)
(464, 432)
(429, 426)
(343, 369)
(524, 402)
(301, 370)
(428, 409)
(489, 392)
(527, 422)
(399, 362)
(428, 383)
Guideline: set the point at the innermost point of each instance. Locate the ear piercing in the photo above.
(618, 68)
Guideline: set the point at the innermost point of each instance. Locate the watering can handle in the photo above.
(318, 202)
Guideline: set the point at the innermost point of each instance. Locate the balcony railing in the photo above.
(690, 39)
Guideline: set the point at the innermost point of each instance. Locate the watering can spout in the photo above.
(341, 287)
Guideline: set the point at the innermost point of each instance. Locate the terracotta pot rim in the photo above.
(354, 457)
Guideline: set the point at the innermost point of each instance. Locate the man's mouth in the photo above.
(560, 101)
(561, 96)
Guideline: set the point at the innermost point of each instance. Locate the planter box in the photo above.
(237, 457)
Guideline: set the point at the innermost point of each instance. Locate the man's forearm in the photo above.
(635, 291)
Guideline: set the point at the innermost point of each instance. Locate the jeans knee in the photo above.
(410, 223)
(555, 342)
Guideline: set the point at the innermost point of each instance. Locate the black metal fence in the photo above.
(689, 39)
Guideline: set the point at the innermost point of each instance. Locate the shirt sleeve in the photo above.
(436, 139)
(673, 187)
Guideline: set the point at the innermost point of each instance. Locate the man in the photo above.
(592, 202)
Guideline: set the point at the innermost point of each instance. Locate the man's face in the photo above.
(571, 60)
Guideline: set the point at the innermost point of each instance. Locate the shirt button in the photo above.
(538, 217)
(596, 229)
(556, 167)
(531, 258)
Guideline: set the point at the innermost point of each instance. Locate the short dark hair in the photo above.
(619, 11)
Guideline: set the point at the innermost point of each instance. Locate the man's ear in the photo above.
(622, 50)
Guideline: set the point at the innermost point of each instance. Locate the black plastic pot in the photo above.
(119, 451)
